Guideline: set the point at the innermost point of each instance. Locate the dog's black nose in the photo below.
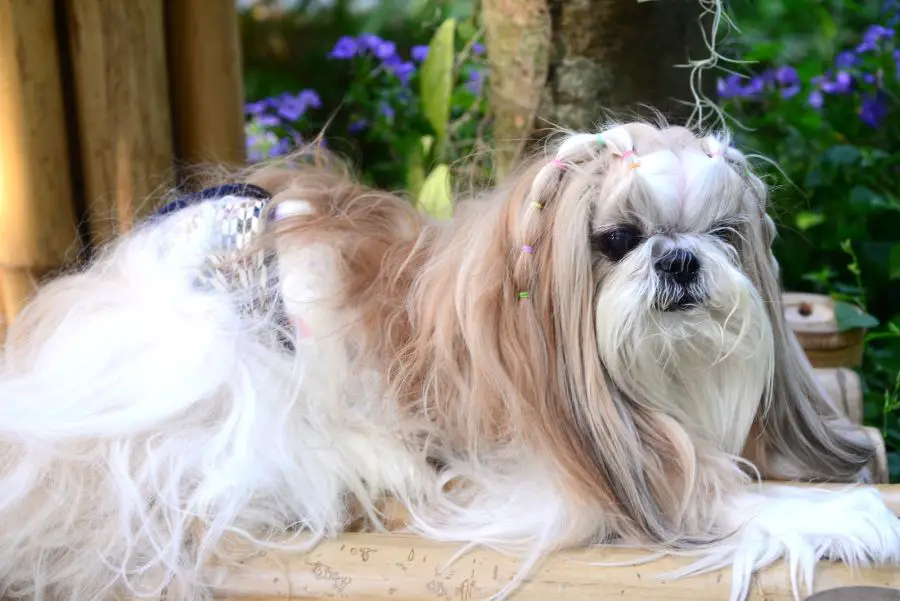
(681, 265)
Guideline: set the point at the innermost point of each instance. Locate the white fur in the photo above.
(699, 366)
(143, 420)
(801, 526)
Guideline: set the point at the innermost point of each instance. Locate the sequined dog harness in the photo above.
(249, 277)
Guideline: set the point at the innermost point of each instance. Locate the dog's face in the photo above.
(673, 223)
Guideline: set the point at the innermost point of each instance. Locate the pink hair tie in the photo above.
(528, 249)
(634, 163)
(558, 164)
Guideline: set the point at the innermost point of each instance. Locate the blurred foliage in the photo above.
(398, 88)
(817, 94)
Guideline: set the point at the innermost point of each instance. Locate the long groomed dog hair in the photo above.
(593, 352)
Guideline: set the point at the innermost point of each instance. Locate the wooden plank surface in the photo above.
(37, 214)
(118, 54)
(400, 568)
(206, 82)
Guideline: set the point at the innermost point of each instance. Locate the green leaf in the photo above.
(415, 171)
(426, 143)
(866, 197)
(815, 178)
(435, 196)
(843, 154)
(436, 79)
(416, 164)
(894, 262)
(805, 220)
(850, 317)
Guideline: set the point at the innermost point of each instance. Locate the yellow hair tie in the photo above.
(538, 205)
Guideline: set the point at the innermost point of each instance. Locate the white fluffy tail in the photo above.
(142, 418)
(802, 525)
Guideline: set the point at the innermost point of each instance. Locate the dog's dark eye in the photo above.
(616, 243)
(728, 235)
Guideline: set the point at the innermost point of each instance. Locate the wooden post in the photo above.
(38, 231)
(812, 318)
(844, 387)
(118, 56)
(206, 82)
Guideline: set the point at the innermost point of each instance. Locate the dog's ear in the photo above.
(799, 434)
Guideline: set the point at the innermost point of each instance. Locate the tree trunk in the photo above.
(589, 60)
(517, 36)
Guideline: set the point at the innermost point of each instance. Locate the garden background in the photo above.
(401, 88)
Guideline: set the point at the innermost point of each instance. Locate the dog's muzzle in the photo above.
(677, 271)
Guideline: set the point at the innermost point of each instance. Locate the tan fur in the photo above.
(435, 309)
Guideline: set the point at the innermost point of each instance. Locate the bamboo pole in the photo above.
(38, 231)
(206, 82)
(118, 53)
(402, 567)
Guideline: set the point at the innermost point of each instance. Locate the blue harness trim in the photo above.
(239, 190)
(234, 266)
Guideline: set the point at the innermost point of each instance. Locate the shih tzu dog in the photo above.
(594, 352)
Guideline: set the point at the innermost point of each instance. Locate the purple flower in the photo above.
(385, 50)
(255, 108)
(873, 109)
(755, 87)
(309, 98)
(870, 78)
(356, 126)
(281, 147)
(877, 33)
(790, 91)
(841, 84)
(730, 86)
(291, 110)
(865, 46)
(369, 41)
(345, 48)
(815, 99)
(419, 53)
(845, 60)
(268, 121)
(476, 79)
(253, 147)
(873, 35)
(387, 111)
(477, 49)
(262, 146)
(402, 70)
(786, 76)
